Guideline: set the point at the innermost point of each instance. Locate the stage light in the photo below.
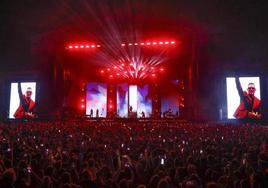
(148, 43)
(154, 43)
(82, 106)
(117, 74)
(115, 67)
(102, 71)
(153, 75)
(160, 42)
(130, 44)
(166, 42)
(108, 69)
(161, 69)
(81, 46)
(76, 46)
(98, 46)
(172, 42)
(136, 44)
(122, 64)
(125, 72)
(87, 46)
(110, 106)
(142, 43)
(92, 46)
(152, 68)
(70, 47)
(82, 100)
(123, 44)
(111, 76)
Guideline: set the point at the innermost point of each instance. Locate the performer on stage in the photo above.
(142, 114)
(249, 107)
(26, 108)
(97, 113)
(91, 113)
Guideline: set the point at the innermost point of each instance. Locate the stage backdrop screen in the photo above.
(170, 99)
(133, 98)
(144, 101)
(122, 100)
(233, 99)
(14, 96)
(96, 98)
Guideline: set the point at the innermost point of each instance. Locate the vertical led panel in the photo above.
(170, 100)
(133, 98)
(122, 100)
(144, 101)
(96, 98)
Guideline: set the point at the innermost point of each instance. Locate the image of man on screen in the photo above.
(249, 107)
(27, 105)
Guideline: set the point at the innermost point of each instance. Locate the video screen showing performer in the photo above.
(22, 100)
(245, 103)
(249, 107)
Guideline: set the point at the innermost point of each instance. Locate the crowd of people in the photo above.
(112, 154)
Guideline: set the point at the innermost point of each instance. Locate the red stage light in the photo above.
(81, 46)
(102, 71)
(115, 67)
(160, 42)
(76, 46)
(98, 46)
(110, 106)
(87, 46)
(154, 43)
(166, 42)
(136, 44)
(70, 47)
(82, 100)
(130, 44)
(82, 106)
(108, 69)
(123, 44)
(122, 64)
(153, 75)
(161, 69)
(152, 68)
(172, 42)
(111, 76)
(148, 43)
(142, 43)
(117, 74)
(125, 72)
(92, 46)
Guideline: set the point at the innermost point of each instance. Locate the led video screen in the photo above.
(122, 100)
(243, 102)
(133, 98)
(170, 100)
(22, 100)
(144, 102)
(96, 99)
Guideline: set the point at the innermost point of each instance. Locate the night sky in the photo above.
(237, 30)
